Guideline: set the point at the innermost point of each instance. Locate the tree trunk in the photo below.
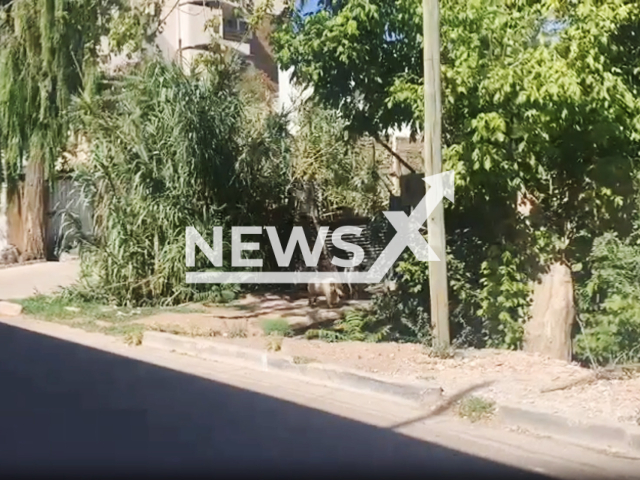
(548, 332)
(34, 211)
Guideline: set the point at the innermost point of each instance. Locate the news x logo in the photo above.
(407, 235)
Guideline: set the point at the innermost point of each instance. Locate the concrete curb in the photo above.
(594, 435)
(618, 437)
(415, 392)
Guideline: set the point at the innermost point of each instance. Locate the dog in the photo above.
(329, 289)
(352, 288)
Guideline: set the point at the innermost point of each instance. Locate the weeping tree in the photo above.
(45, 48)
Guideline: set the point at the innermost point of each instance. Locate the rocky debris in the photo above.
(9, 255)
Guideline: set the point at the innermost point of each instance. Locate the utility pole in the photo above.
(438, 285)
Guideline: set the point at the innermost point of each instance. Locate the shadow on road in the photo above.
(448, 404)
(73, 410)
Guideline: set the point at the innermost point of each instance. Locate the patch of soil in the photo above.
(247, 315)
(202, 324)
(503, 376)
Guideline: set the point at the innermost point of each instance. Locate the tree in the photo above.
(540, 101)
(45, 48)
(348, 173)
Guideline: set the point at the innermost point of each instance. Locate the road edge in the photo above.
(416, 393)
(599, 436)
(588, 434)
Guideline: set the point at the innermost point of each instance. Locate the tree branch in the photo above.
(395, 155)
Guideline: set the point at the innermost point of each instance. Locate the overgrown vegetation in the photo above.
(276, 326)
(357, 325)
(46, 48)
(541, 105)
(610, 303)
(347, 173)
(73, 308)
(475, 408)
(66, 308)
(172, 150)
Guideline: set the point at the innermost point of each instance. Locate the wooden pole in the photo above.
(438, 287)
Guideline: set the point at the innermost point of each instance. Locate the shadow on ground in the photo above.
(73, 410)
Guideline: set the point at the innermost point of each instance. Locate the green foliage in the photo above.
(357, 326)
(501, 74)
(171, 150)
(71, 304)
(348, 173)
(503, 298)
(412, 298)
(46, 47)
(475, 408)
(135, 25)
(489, 299)
(391, 317)
(344, 52)
(609, 303)
(276, 326)
(540, 99)
(406, 315)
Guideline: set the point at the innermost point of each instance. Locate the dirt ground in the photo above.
(503, 376)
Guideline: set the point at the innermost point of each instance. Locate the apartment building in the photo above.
(191, 25)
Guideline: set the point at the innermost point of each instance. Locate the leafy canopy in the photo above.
(539, 97)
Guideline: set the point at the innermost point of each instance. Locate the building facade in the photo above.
(192, 25)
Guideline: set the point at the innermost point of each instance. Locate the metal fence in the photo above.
(69, 215)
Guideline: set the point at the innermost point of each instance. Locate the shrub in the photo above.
(171, 150)
(276, 326)
(475, 408)
(358, 325)
(609, 303)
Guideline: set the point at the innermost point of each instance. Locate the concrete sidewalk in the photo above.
(47, 277)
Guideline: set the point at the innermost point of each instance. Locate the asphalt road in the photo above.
(72, 410)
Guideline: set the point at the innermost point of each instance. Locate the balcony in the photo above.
(194, 20)
(236, 30)
(201, 20)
